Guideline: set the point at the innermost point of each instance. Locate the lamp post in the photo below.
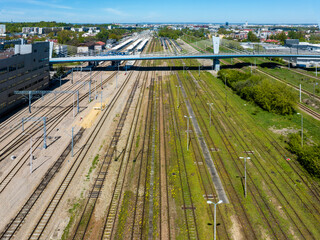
(215, 217)
(188, 117)
(245, 174)
(210, 106)
(301, 129)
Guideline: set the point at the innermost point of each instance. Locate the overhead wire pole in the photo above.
(44, 92)
(36, 119)
(245, 174)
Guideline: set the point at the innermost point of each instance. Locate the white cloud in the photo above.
(115, 12)
(46, 4)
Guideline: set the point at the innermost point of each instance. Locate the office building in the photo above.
(26, 69)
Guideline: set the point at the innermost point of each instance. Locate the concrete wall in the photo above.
(23, 72)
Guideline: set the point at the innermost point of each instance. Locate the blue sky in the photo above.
(99, 11)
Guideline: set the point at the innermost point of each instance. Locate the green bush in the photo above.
(270, 96)
(308, 156)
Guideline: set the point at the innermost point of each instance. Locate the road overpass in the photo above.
(214, 57)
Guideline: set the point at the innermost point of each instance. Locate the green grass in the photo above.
(125, 208)
(93, 166)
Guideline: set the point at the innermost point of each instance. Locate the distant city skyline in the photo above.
(202, 11)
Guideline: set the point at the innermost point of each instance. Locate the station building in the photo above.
(25, 68)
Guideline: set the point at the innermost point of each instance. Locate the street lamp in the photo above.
(301, 129)
(210, 106)
(245, 174)
(188, 117)
(215, 217)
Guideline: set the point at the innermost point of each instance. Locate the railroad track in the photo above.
(136, 225)
(83, 226)
(165, 221)
(20, 114)
(51, 126)
(38, 231)
(287, 203)
(16, 222)
(57, 102)
(310, 111)
(86, 224)
(207, 182)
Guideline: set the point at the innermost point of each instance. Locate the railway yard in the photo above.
(150, 149)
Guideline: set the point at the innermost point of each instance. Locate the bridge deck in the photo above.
(164, 57)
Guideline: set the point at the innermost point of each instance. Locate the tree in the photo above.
(252, 37)
(64, 36)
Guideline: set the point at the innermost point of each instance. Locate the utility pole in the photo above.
(245, 174)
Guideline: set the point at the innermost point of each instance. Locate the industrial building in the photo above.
(26, 69)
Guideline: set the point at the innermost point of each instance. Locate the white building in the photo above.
(61, 50)
(2, 30)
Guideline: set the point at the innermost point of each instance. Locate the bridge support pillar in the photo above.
(216, 64)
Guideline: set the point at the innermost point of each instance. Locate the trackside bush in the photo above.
(308, 156)
(271, 96)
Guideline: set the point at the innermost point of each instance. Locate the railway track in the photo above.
(16, 118)
(209, 189)
(188, 206)
(269, 175)
(165, 221)
(83, 226)
(58, 102)
(86, 224)
(39, 229)
(51, 126)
